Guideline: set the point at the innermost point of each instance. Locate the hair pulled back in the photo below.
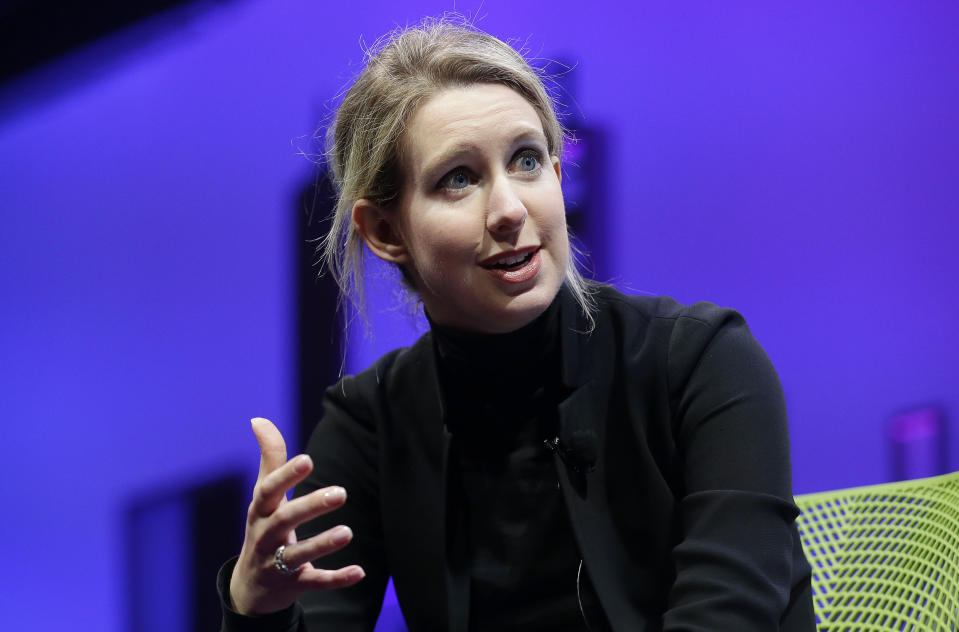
(365, 142)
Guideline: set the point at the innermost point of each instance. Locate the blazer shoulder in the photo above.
(359, 393)
(663, 308)
(663, 326)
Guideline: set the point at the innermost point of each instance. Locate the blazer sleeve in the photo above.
(734, 561)
(343, 447)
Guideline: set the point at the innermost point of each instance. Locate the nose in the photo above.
(507, 212)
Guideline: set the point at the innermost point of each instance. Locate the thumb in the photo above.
(272, 446)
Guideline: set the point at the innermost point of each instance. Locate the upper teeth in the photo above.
(511, 260)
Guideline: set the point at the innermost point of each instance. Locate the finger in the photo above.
(322, 579)
(305, 508)
(272, 446)
(295, 555)
(270, 491)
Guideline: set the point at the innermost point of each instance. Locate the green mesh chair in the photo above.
(884, 557)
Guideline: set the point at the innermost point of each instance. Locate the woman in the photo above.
(552, 455)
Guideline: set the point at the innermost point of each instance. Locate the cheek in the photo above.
(553, 215)
(441, 240)
(561, 250)
(554, 222)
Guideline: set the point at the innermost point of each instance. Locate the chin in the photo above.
(490, 310)
(521, 310)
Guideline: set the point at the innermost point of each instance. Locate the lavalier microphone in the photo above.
(579, 451)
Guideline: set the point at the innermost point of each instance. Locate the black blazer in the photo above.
(685, 522)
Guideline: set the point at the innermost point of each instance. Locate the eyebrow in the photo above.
(449, 155)
(454, 152)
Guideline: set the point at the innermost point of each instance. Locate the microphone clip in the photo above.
(572, 458)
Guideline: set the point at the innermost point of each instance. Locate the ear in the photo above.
(556, 168)
(376, 227)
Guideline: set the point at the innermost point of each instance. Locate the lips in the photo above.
(517, 266)
(510, 260)
(512, 263)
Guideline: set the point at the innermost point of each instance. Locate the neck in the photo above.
(500, 363)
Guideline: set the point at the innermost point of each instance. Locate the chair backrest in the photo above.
(884, 557)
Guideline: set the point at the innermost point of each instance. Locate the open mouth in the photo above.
(518, 267)
(513, 263)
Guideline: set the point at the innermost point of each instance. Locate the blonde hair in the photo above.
(403, 70)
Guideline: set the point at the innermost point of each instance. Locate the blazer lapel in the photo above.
(588, 361)
(434, 592)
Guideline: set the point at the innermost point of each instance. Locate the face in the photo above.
(481, 215)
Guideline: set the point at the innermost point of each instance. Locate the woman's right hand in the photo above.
(257, 587)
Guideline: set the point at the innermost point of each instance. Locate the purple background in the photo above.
(799, 163)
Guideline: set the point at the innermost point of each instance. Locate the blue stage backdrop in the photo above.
(797, 162)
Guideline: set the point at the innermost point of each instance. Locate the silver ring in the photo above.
(279, 564)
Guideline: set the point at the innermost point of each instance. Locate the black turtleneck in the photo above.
(509, 527)
(503, 375)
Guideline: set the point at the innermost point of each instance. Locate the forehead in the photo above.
(483, 116)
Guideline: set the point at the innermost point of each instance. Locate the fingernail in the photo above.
(301, 463)
(356, 573)
(341, 535)
(334, 494)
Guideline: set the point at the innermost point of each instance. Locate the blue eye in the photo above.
(527, 161)
(457, 179)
